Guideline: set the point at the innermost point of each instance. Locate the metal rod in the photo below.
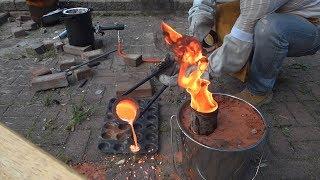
(167, 64)
(94, 59)
(154, 98)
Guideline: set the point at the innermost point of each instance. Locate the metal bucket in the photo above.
(204, 162)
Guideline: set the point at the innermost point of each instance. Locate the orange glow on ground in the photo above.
(188, 52)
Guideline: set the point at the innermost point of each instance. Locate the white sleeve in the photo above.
(201, 18)
(233, 54)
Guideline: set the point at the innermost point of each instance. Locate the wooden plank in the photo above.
(20, 159)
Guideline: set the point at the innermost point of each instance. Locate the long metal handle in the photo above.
(113, 27)
(167, 64)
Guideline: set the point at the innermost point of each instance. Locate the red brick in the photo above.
(144, 90)
(76, 50)
(18, 32)
(49, 81)
(133, 60)
(40, 71)
(91, 54)
(300, 114)
(83, 73)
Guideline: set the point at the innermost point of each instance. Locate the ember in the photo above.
(127, 110)
(188, 51)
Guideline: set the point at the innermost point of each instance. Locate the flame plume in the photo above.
(188, 51)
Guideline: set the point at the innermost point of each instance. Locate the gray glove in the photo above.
(201, 18)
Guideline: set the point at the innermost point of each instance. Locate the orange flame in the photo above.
(188, 51)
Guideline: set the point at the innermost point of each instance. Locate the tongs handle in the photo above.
(167, 63)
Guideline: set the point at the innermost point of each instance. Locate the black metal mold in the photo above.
(116, 135)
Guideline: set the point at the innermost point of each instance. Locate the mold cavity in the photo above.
(150, 148)
(151, 126)
(137, 126)
(124, 126)
(151, 117)
(117, 147)
(122, 136)
(104, 146)
(151, 137)
(107, 135)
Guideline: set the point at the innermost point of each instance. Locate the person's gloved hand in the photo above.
(201, 18)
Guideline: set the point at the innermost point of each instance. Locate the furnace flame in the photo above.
(188, 52)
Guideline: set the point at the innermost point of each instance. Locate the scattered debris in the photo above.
(83, 82)
(48, 43)
(58, 46)
(91, 171)
(120, 162)
(18, 32)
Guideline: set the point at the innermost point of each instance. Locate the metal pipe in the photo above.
(94, 59)
(167, 63)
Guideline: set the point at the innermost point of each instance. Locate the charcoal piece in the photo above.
(116, 135)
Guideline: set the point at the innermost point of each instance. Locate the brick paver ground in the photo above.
(292, 146)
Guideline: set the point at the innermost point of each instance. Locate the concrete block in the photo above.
(91, 54)
(83, 73)
(30, 25)
(40, 71)
(143, 91)
(76, 50)
(18, 32)
(67, 62)
(49, 81)
(133, 60)
(58, 46)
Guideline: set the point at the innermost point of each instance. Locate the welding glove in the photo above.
(201, 18)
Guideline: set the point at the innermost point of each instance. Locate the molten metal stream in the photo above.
(188, 52)
(127, 110)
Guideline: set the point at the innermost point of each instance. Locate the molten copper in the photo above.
(188, 52)
(127, 110)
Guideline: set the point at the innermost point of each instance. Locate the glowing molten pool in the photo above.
(188, 52)
(127, 110)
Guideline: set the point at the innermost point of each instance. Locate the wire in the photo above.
(258, 167)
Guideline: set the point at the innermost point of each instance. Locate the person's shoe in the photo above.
(255, 100)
